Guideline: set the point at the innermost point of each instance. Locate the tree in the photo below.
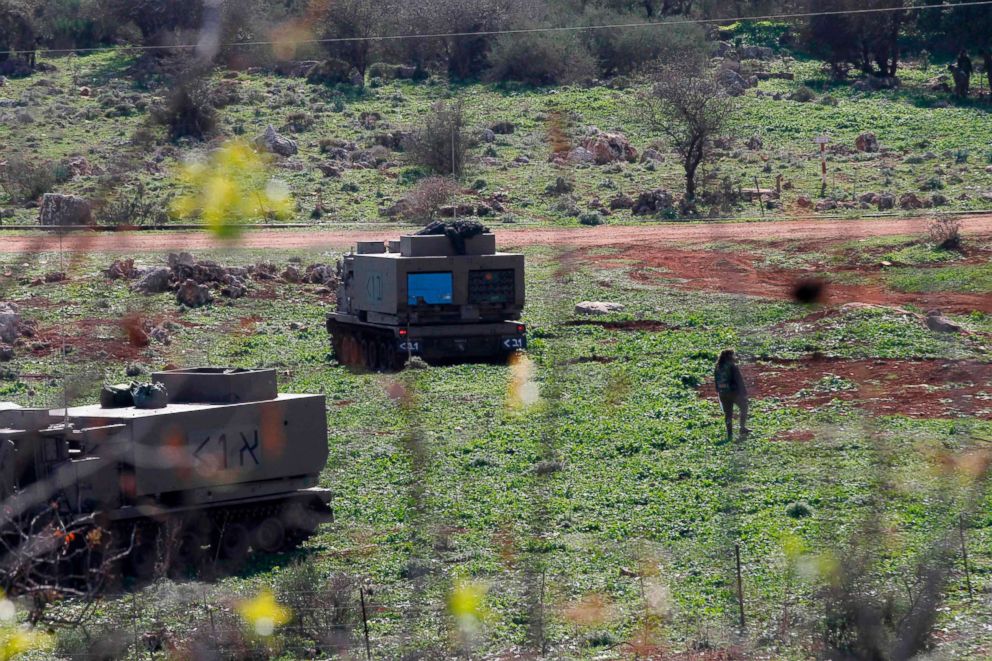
(689, 107)
(360, 22)
(868, 41)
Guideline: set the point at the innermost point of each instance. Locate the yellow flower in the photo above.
(231, 188)
(264, 613)
(15, 641)
(466, 604)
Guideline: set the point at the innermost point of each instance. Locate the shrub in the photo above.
(330, 72)
(591, 219)
(324, 607)
(621, 51)
(190, 111)
(132, 206)
(798, 510)
(423, 202)
(540, 58)
(945, 232)
(24, 181)
(299, 122)
(440, 142)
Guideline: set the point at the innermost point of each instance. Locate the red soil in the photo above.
(737, 273)
(913, 388)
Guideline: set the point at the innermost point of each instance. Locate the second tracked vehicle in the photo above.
(443, 298)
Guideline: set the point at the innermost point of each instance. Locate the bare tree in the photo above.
(689, 107)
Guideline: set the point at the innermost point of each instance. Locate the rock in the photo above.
(938, 200)
(521, 160)
(277, 144)
(560, 187)
(122, 269)
(10, 323)
(867, 142)
(155, 281)
(321, 274)
(193, 295)
(938, 323)
(577, 156)
(330, 169)
(234, 287)
(503, 128)
(802, 95)
(725, 49)
(488, 135)
(885, 201)
(610, 148)
(825, 205)
(732, 82)
(24, 117)
(756, 53)
(655, 201)
(134, 369)
(329, 72)
(64, 210)
(621, 201)
(598, 307)
(755, 143)
(804, 202)
(910, 201)
(291, 274)
(78, 166)
(55, 276)
(652, 155)
(6, 353)
(868, 198)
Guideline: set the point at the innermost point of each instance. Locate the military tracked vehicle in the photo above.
(442, 298)
(225, 465)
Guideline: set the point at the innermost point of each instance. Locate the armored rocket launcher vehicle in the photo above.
(436, 296)
(226, 464)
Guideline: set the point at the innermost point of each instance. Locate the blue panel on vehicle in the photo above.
(429, 288)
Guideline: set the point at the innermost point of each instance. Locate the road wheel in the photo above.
(269, 535)
(234, 543)
(371, 355)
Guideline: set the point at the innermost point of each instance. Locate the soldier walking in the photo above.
(732, 390)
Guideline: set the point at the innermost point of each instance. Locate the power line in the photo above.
(566, 28)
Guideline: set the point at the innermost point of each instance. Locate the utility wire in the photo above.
(566, 28)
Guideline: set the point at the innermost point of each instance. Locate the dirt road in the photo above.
(816, 230)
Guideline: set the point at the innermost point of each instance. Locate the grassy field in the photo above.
(586, 498)
(926, 149)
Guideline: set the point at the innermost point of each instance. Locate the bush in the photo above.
(591, 219)
(190, 112)
(325, 609)
(540, 58)
(440, 143)
(621, 51)
(425, 200)
(24, 181)
(131, 207)
(330, 72)
(945, 232)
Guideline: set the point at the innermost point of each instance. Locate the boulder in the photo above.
(291, 274)
(885, 201)
(10, 323)
(804, 202)
(910, 201)
(234, 287)
(610, 148)
(756, 53)
(122, 269)
(622, 201)
(272, 142)
(938, 200)
(755, 143)
(938, 323)
(598, 307)
(78, 166)
(652, 155)
(655, 201)
(732, 82)
(488, 135)
(825, 205)
(193, 295)
(64, 210)
(580, 155)
(560, 187)
(330, 72)
(867, 142)
(155, 281)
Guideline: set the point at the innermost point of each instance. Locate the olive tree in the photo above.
(689, 107)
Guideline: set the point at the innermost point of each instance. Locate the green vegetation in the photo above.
(617, 485)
